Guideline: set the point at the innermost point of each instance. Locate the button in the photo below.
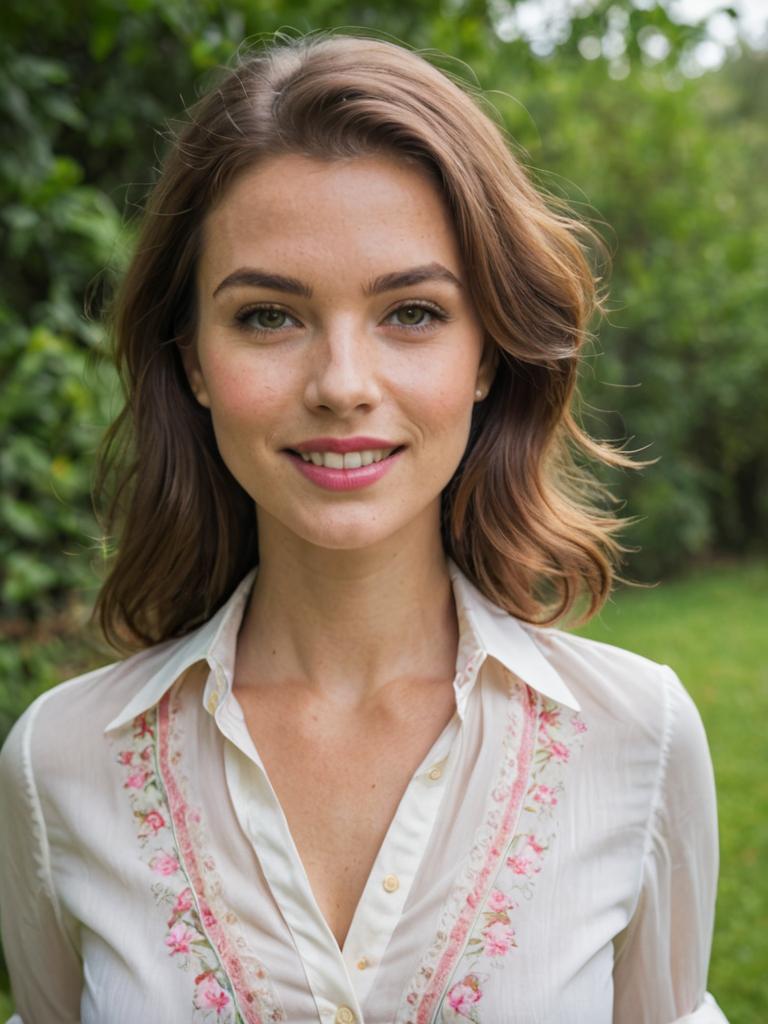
(391, 883)
(435, 772)
(344, 1016)
(362, 963)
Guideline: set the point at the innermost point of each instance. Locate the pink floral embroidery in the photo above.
(499, 901)
(463, 997)
(498, 938)
(494, 937)
(185, 940)
(164, 864)
(136, 780)
(559, 751)
(545, 795)
(202, 934)
(182, 905)
(549, 717)
(179, 938)
(155, 820)
(541, 736)
(522, 865)
(209, 995)
(426, 994)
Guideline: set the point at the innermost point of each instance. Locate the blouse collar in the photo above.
(484, 631)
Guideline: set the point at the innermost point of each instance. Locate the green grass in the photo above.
(712, 628)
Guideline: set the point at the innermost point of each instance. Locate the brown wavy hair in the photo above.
(523, 517)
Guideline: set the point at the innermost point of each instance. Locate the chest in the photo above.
(339, 778)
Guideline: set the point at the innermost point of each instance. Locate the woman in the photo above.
(345, 777)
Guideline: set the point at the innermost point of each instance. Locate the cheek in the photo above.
(442, 411)
(242, 394)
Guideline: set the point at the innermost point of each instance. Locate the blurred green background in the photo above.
(650, 118)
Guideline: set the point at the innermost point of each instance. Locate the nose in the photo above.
(343, 377)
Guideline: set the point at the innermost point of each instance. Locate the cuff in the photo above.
(708, 1013)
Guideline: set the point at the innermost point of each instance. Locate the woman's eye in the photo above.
(269, 317)
(416, 316)
(264, 319)
(410, 316)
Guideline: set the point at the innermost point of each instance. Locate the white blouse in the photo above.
(553, 860)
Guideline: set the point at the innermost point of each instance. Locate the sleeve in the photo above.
(43, 963)
(662, 956)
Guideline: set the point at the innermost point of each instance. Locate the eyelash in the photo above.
(242, 317)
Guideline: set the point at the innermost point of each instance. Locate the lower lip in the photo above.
(344, 479)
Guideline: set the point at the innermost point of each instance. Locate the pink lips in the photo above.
(343, 479)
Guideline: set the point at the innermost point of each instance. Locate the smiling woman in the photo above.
(346, 774)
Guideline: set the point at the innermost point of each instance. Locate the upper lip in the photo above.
(342, 444)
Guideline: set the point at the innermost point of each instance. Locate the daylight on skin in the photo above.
(399, 365)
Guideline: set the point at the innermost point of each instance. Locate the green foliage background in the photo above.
(666, 166)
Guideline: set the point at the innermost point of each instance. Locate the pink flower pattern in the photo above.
(187, 883)
(185, 940)
(493, 937)
(164, 864)
(179, 938)
(463, 997)
(209, 995)
(498, 937)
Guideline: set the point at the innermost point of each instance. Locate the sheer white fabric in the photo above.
(553, 860)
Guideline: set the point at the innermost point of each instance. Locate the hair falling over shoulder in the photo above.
(523, 517)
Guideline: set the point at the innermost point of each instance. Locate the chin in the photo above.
(347, 536)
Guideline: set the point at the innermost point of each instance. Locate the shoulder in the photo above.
(62, 730)
(634, 693)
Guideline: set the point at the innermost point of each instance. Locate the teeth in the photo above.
(352, 460)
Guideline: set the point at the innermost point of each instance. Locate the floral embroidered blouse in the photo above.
(552, 861)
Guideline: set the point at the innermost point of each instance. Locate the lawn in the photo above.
(711, 627)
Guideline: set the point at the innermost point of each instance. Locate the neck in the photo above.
(348, 623)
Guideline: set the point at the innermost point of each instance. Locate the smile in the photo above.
(345, 471)
(351, 460)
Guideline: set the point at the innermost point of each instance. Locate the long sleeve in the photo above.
(662, 957)
(44, 967)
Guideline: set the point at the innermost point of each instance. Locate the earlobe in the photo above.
(193, 373)
(198, 390)
(486, 371)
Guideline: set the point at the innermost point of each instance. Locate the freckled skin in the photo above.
(339, 363)
(352, 597)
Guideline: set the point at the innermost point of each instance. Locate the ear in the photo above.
(486, 371)
(193, 371)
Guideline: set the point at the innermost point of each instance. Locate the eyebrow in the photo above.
(292, 286)
(263, 279)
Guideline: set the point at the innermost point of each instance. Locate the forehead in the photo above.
(360, 215)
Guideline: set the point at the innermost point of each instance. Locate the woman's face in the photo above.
(337, 348)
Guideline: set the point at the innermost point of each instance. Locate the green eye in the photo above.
(411, 316)
(269, 318)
